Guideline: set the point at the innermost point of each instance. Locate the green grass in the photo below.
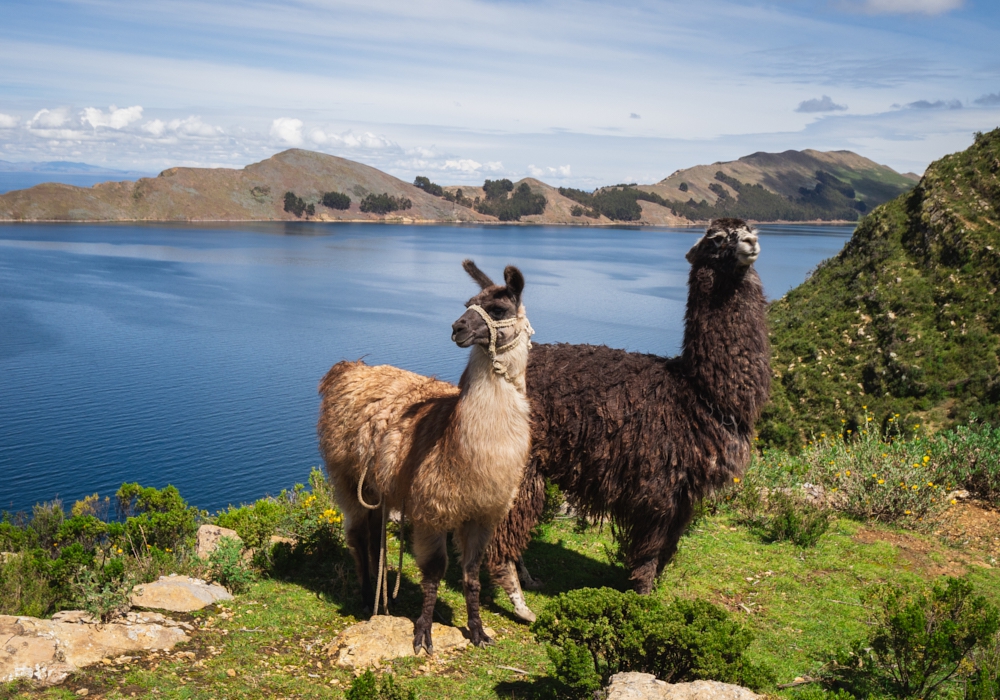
(803, 604)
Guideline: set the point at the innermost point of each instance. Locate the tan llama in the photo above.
(450, 458)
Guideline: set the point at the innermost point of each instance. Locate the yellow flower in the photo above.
(926, 459)
(120, 550)
(822, 435)
(881, 481)
(915, 487)
(848, 472)
(908, 512)
(930, 484)
(865, 407)
(837, 475)
(953, 501)
(842, 420)
(736, 479)
(885, 454)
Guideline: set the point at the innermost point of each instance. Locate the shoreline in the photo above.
(423, 222)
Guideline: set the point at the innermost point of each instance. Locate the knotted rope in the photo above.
(493, 350)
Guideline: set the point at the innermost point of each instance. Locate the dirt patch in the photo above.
(922, 555)
(971, 525)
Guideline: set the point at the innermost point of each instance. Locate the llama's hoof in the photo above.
(422, 640)
(523, 612)
(480, 639)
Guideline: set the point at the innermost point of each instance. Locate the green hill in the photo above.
(905, 320)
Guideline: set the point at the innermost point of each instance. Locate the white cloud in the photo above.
(287, 130)
(494, 166)
(193, 126)
(366, 140)
(462, 165)
(155, 127)
(318, 136)
(937, 104)
(922, 7)
(558, 171)
(822, 104)
(7, 121)
(115, 118)
(49, 118)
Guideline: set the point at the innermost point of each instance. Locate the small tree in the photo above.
(295, 205)
(336, 200)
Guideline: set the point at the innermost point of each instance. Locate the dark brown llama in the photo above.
(450, 458)
(642, 438)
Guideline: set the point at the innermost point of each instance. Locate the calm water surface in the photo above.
(190, 355)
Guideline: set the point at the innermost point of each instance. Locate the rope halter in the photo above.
(493, 350)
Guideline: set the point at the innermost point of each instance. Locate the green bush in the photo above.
(384, 203)
(254, 523)
(297, 206)
(522, 203)
(790, 520)
(921, 639)
(156, 518)
(336, 200)
(681, 641)
(970, 455)
(228, 566)
(368, 686)
(427, 186)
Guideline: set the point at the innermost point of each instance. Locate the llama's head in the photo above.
(728, 244)
(501, 303)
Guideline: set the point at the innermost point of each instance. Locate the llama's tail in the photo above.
(336, 372)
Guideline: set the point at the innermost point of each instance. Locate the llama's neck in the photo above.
(493, 410)
(727, 355)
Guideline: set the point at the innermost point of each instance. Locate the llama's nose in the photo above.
(458, 326)
(751, 239)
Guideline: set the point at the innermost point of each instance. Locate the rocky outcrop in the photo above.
(47, 651)
(645, 686)
(384, 637)
(178, 594)
(208, 539)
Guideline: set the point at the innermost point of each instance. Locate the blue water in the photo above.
(190, 355)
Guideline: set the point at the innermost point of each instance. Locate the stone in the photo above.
(645, 686)
(384, 637)
(178, 594)
(278, 539)
(208, 539)
(47, 651)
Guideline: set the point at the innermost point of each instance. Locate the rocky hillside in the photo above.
(792, 186)
(255, 193)
(903, 326)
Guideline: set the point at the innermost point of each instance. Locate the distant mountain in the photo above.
(64, 167)
(254, 193)
(789, 186)
(902, 326)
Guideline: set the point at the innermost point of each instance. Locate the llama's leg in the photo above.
(512, 587)
(532, 584)
(472, 539)
(654, 542)
(432, 558)
(361, 539)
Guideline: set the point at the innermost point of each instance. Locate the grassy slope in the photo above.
(906, 318)
(802, 603)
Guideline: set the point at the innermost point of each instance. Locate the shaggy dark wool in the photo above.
(642, 438)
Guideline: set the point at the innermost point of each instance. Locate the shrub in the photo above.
(497, 189)
(970, 455)
(296, 205)
(522, 203)
(228, 566)
(369, 687)
(681, 641)
(254, 523)
(427, 186)
(157, 518)
(921, 638)
(384, 203)
(104, 594)
(787, 519)
(683, 187)
(336, 200)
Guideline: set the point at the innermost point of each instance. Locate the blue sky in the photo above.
(576, 93)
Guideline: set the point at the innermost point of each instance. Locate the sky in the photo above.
(574, 93)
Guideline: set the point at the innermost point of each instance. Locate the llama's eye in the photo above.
(495, 313)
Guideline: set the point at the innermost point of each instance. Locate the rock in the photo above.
(278, 539)
(47, 651)
(385, 637)
(178, 594)
(208, 539)
(645, 686)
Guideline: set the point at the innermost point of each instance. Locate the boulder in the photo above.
(178, 594)
(208, 539)
(47, 651)
(645, 686)
(384, 637)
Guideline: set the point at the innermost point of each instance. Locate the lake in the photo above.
(190, 354)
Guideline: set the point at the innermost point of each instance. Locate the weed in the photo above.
(788, 519)
(229, 567)
(369, 687)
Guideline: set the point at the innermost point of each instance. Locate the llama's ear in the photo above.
(475, 273)
(515, 280)
(690, 254)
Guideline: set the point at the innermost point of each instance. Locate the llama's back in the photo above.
(367, 418)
